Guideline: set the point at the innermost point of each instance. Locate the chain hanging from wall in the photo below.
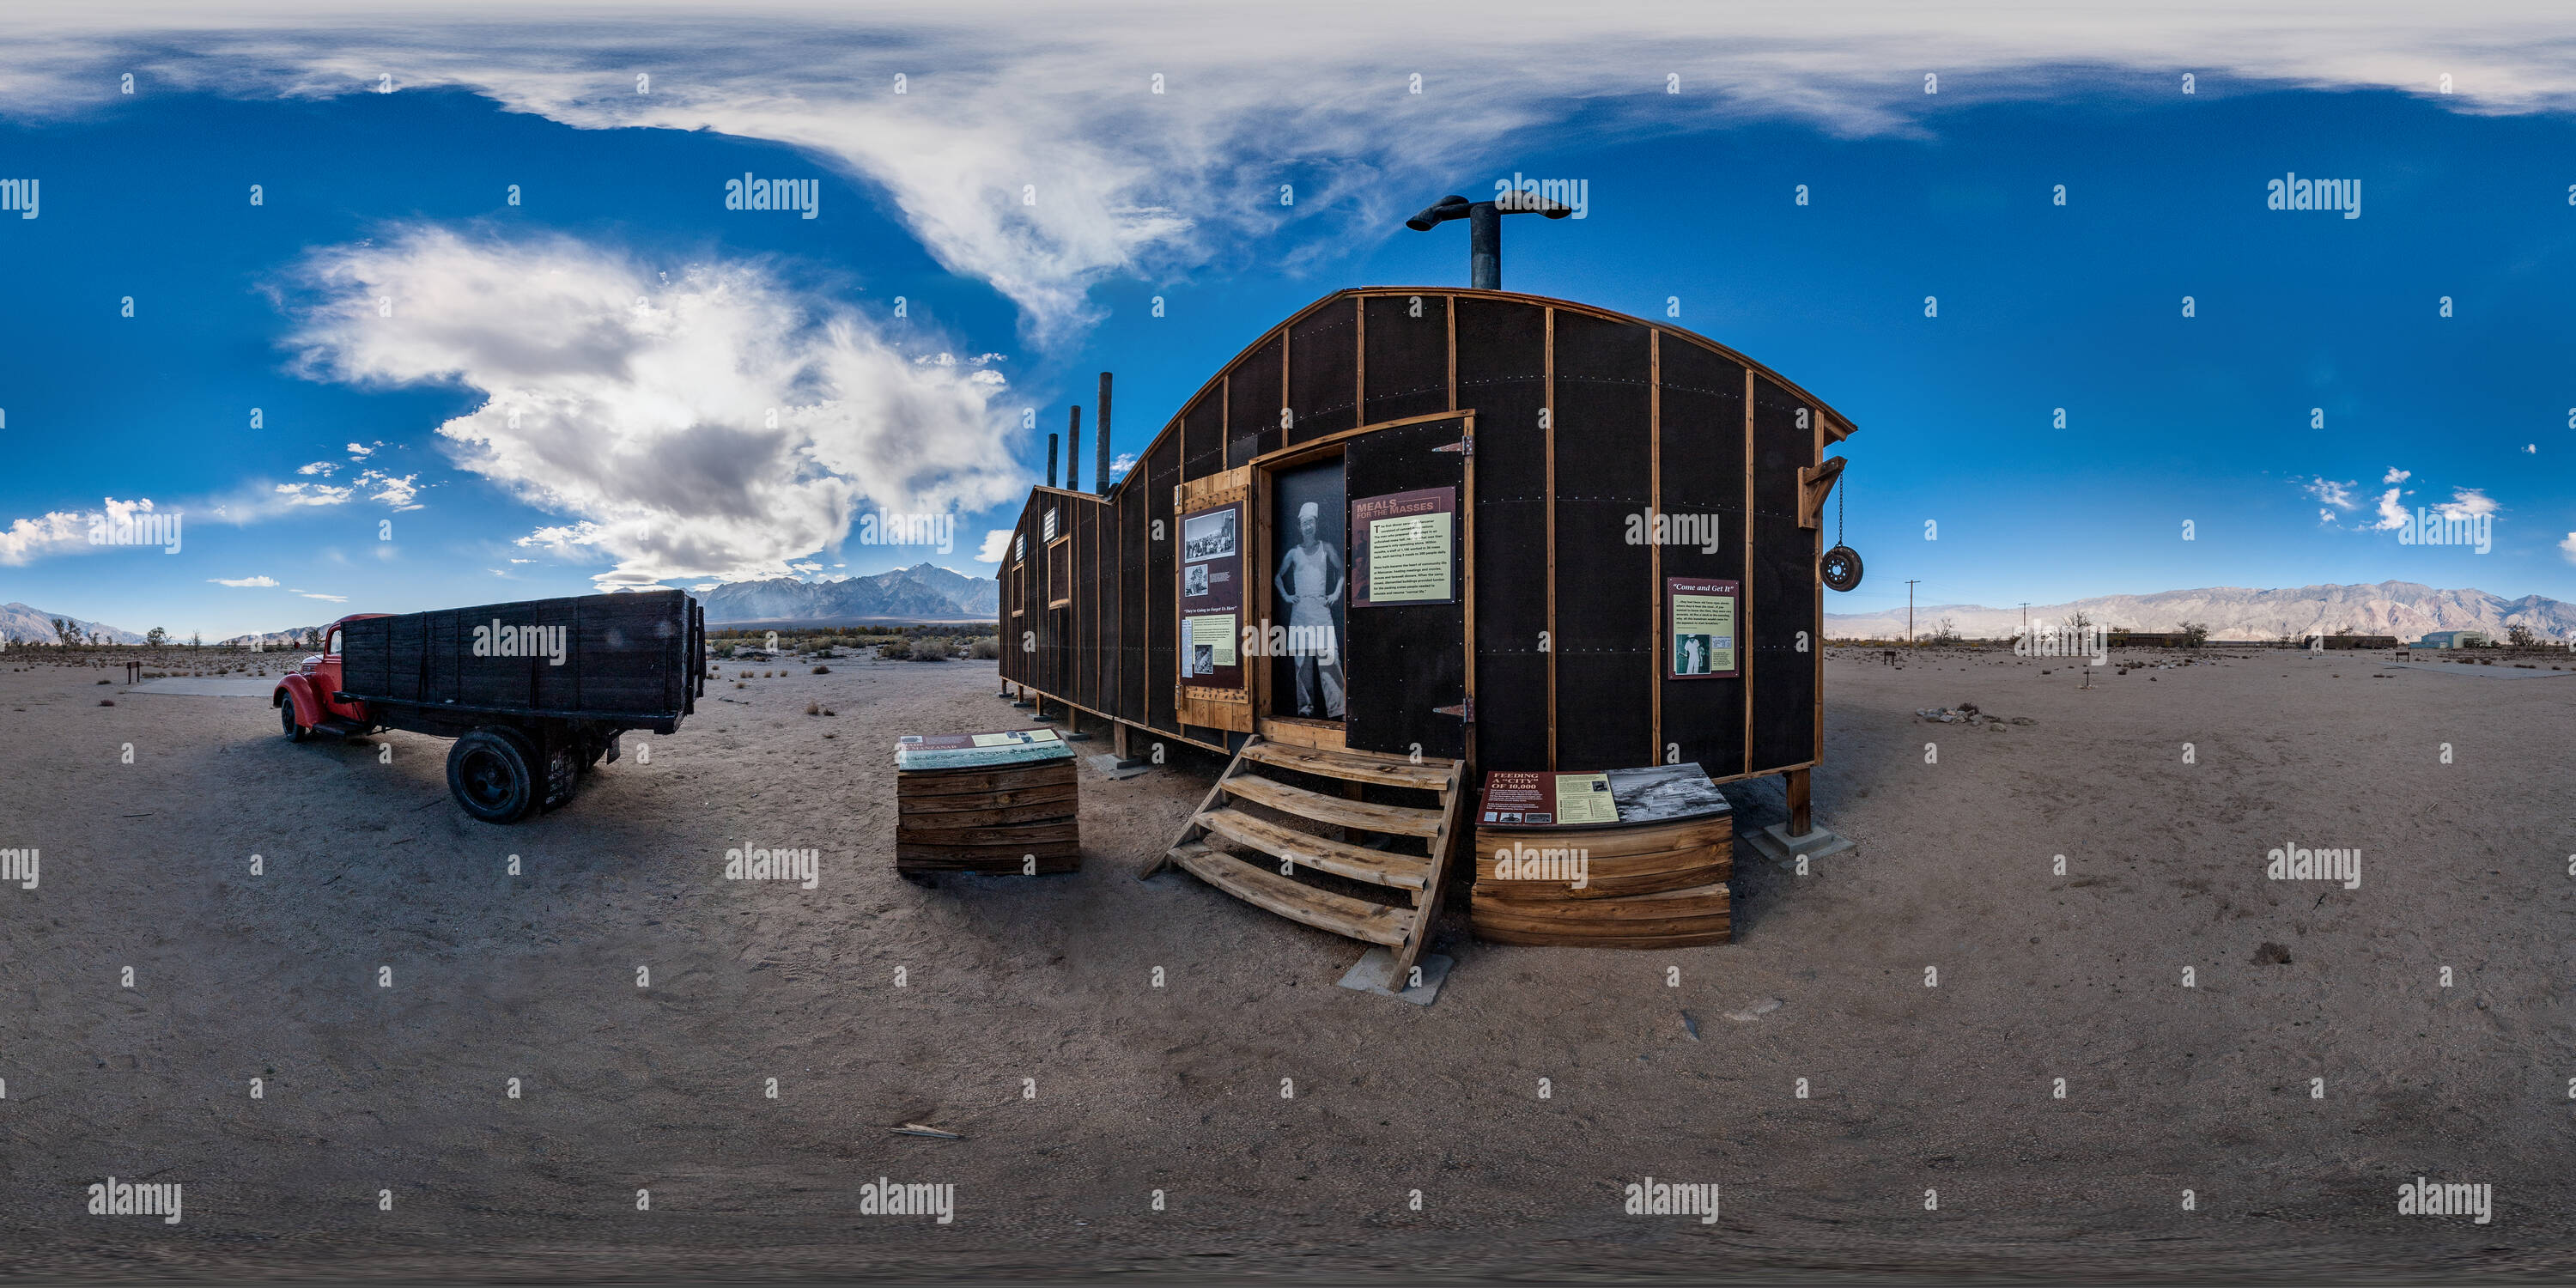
(1841, 565)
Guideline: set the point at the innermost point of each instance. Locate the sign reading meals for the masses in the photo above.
(1407, 547)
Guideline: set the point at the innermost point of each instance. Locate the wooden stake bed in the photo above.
(1015, 820)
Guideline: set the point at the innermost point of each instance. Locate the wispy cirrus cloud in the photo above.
(1028, 146)
(244, 582)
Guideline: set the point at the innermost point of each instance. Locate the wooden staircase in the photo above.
(1268, 882)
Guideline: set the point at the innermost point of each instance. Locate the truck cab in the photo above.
(305, 697)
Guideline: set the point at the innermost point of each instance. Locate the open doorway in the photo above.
(1309, 586)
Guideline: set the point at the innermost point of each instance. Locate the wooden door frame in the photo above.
(1259, 486)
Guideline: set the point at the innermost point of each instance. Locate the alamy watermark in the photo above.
(882, 1197)
(804, 196)
(19, 866)
(113, 1197)
(1266, 638)
(18, 195)
(2290, 192)
(2050, 640)
(1656, 528)
(2447, 527)
(2422, 1198)
(2299, 863)
(801, 866)
(127, 526)
(1523, 193)
(497, 640)
(1518, 862)
(887, 528)
(1652, 1197)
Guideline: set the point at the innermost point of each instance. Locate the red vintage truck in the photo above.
(534, 693)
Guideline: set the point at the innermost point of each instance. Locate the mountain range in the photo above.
(924, 592)
(24, 625)
(2404, 609)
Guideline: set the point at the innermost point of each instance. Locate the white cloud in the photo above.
(2338, 495)
(649, 425)
(55, 532)
(997, 543)
(312, 494)
(396, 492)
(2392, 516)
(2396, 475)
(336, 599)
(1006, 98)
(243, 581)
(358, 453)
(60, 532)
(521, 561)
(2466, 502)
(322, 468)
(2568, 547)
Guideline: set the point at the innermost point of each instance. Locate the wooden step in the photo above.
(1354, 766)
(1398, 819)
(1322, 909)
(1359, 863)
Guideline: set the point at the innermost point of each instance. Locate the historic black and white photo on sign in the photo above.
(1208, 536)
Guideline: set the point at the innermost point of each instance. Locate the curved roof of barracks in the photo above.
(1365, 355)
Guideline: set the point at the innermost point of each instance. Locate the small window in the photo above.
(1050, 524)
(1020, 548)
(331, 646)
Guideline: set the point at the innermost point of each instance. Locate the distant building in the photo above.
(2454, 639)
(2354, 641)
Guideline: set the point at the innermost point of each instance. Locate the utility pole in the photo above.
(2025, 619)
(1909, 614)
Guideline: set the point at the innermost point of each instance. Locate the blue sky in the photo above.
(764, 392)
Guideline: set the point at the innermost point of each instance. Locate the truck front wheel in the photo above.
(286, 716)
(493, 775)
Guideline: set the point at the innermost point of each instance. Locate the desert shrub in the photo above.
(813, 708)
(895, 649)
(985, 648)
(930, 648)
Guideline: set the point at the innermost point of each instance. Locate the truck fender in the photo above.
(298, 689)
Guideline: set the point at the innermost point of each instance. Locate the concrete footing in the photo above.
(1776, 844)
(1373, 972)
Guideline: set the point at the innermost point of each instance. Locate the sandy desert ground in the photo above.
(875, 1002)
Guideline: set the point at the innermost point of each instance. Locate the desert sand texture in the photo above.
(385, 977)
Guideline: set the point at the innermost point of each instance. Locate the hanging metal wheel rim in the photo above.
(1841, 568)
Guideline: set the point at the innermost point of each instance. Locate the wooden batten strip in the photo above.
(1744, 587)
(1549, 447)
(1655, 549)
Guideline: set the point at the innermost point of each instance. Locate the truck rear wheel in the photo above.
(493, 775)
